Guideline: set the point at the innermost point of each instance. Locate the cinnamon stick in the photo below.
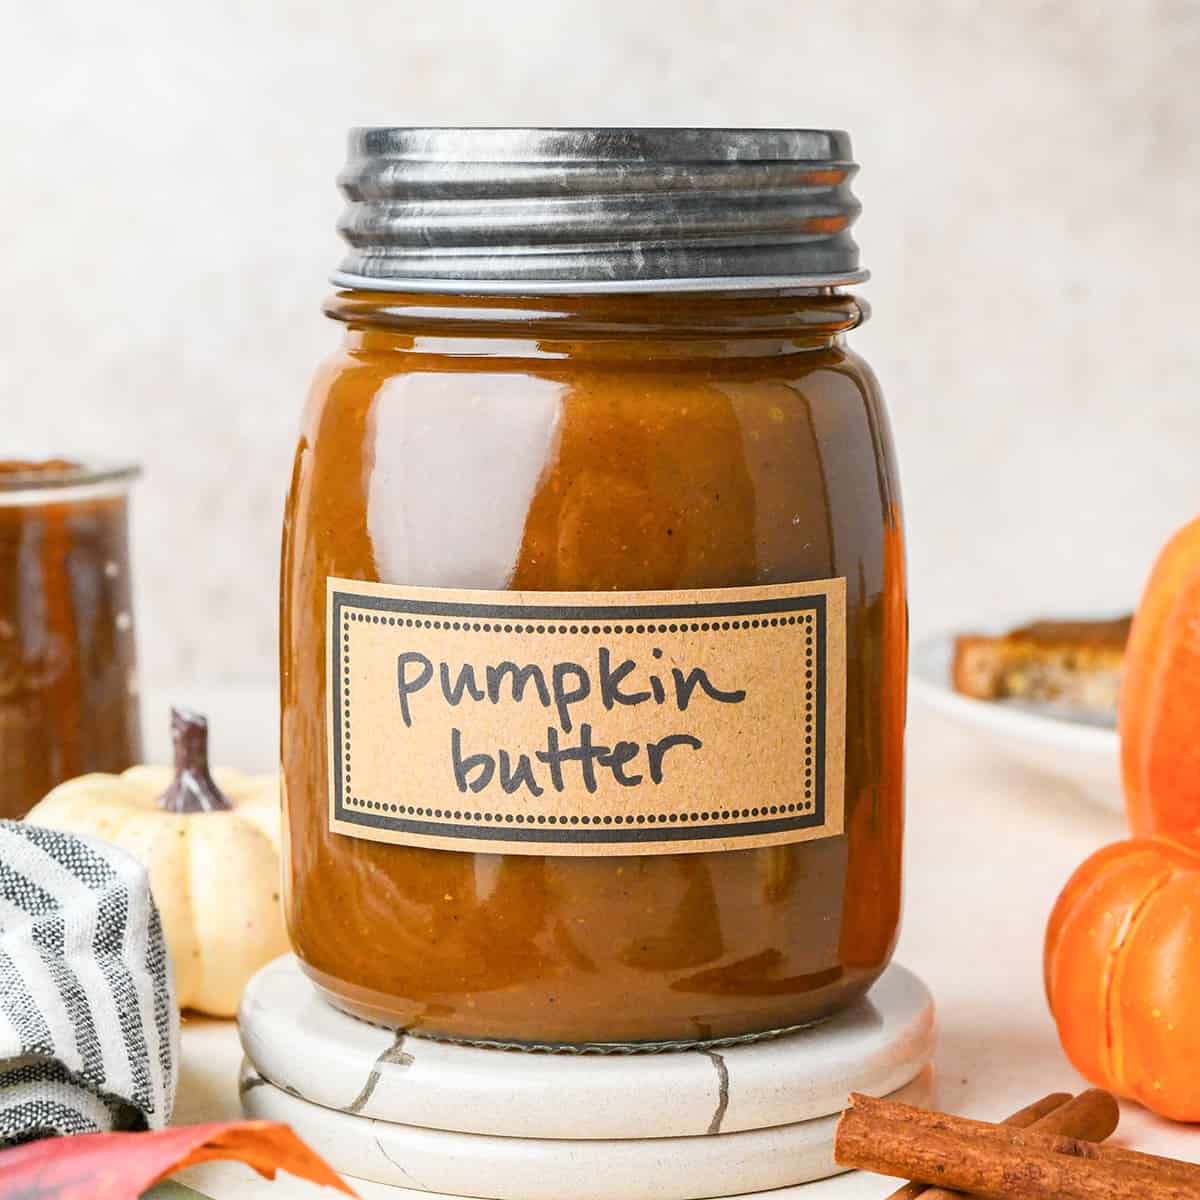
(999, 1162)
(1032, 1113)
(1054, 1142)
(1092, 1115)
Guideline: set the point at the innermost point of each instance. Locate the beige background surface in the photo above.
(1031, 174)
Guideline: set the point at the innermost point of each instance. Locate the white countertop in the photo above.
(989, 846)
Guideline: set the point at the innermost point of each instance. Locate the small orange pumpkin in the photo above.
(1122, 968)
(1160, 694)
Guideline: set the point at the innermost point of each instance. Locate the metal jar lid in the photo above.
(597, 210)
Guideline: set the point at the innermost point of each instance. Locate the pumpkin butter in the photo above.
(593, 627)
(68, 686)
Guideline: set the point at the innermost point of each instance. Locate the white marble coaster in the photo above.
(301, 1044)
(510, 1168)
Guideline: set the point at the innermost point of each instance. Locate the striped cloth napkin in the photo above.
(89, 1031)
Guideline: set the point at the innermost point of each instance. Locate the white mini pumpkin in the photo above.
(211, 845)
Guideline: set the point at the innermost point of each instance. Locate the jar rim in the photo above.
(33, 477)
(595, 287)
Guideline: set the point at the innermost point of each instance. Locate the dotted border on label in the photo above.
(500, 819)
(501, 627)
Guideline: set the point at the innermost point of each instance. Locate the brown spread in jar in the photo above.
(68, 702)
(633, 461)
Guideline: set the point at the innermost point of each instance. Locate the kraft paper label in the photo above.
(587, 723)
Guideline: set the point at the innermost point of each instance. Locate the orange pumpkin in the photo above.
(1122, 965)
(1160, 694)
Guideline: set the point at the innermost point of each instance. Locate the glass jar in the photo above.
(68, 663)
(599, 500)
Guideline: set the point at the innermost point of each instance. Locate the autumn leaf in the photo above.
(121, 1166)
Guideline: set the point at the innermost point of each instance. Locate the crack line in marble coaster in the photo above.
(395, 1054)
(718, 1061)
(407, 1174)
(250, 1082)
(258, 1079)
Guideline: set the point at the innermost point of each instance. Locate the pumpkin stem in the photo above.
(193, 789)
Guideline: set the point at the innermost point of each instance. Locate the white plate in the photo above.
(1061, 743)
